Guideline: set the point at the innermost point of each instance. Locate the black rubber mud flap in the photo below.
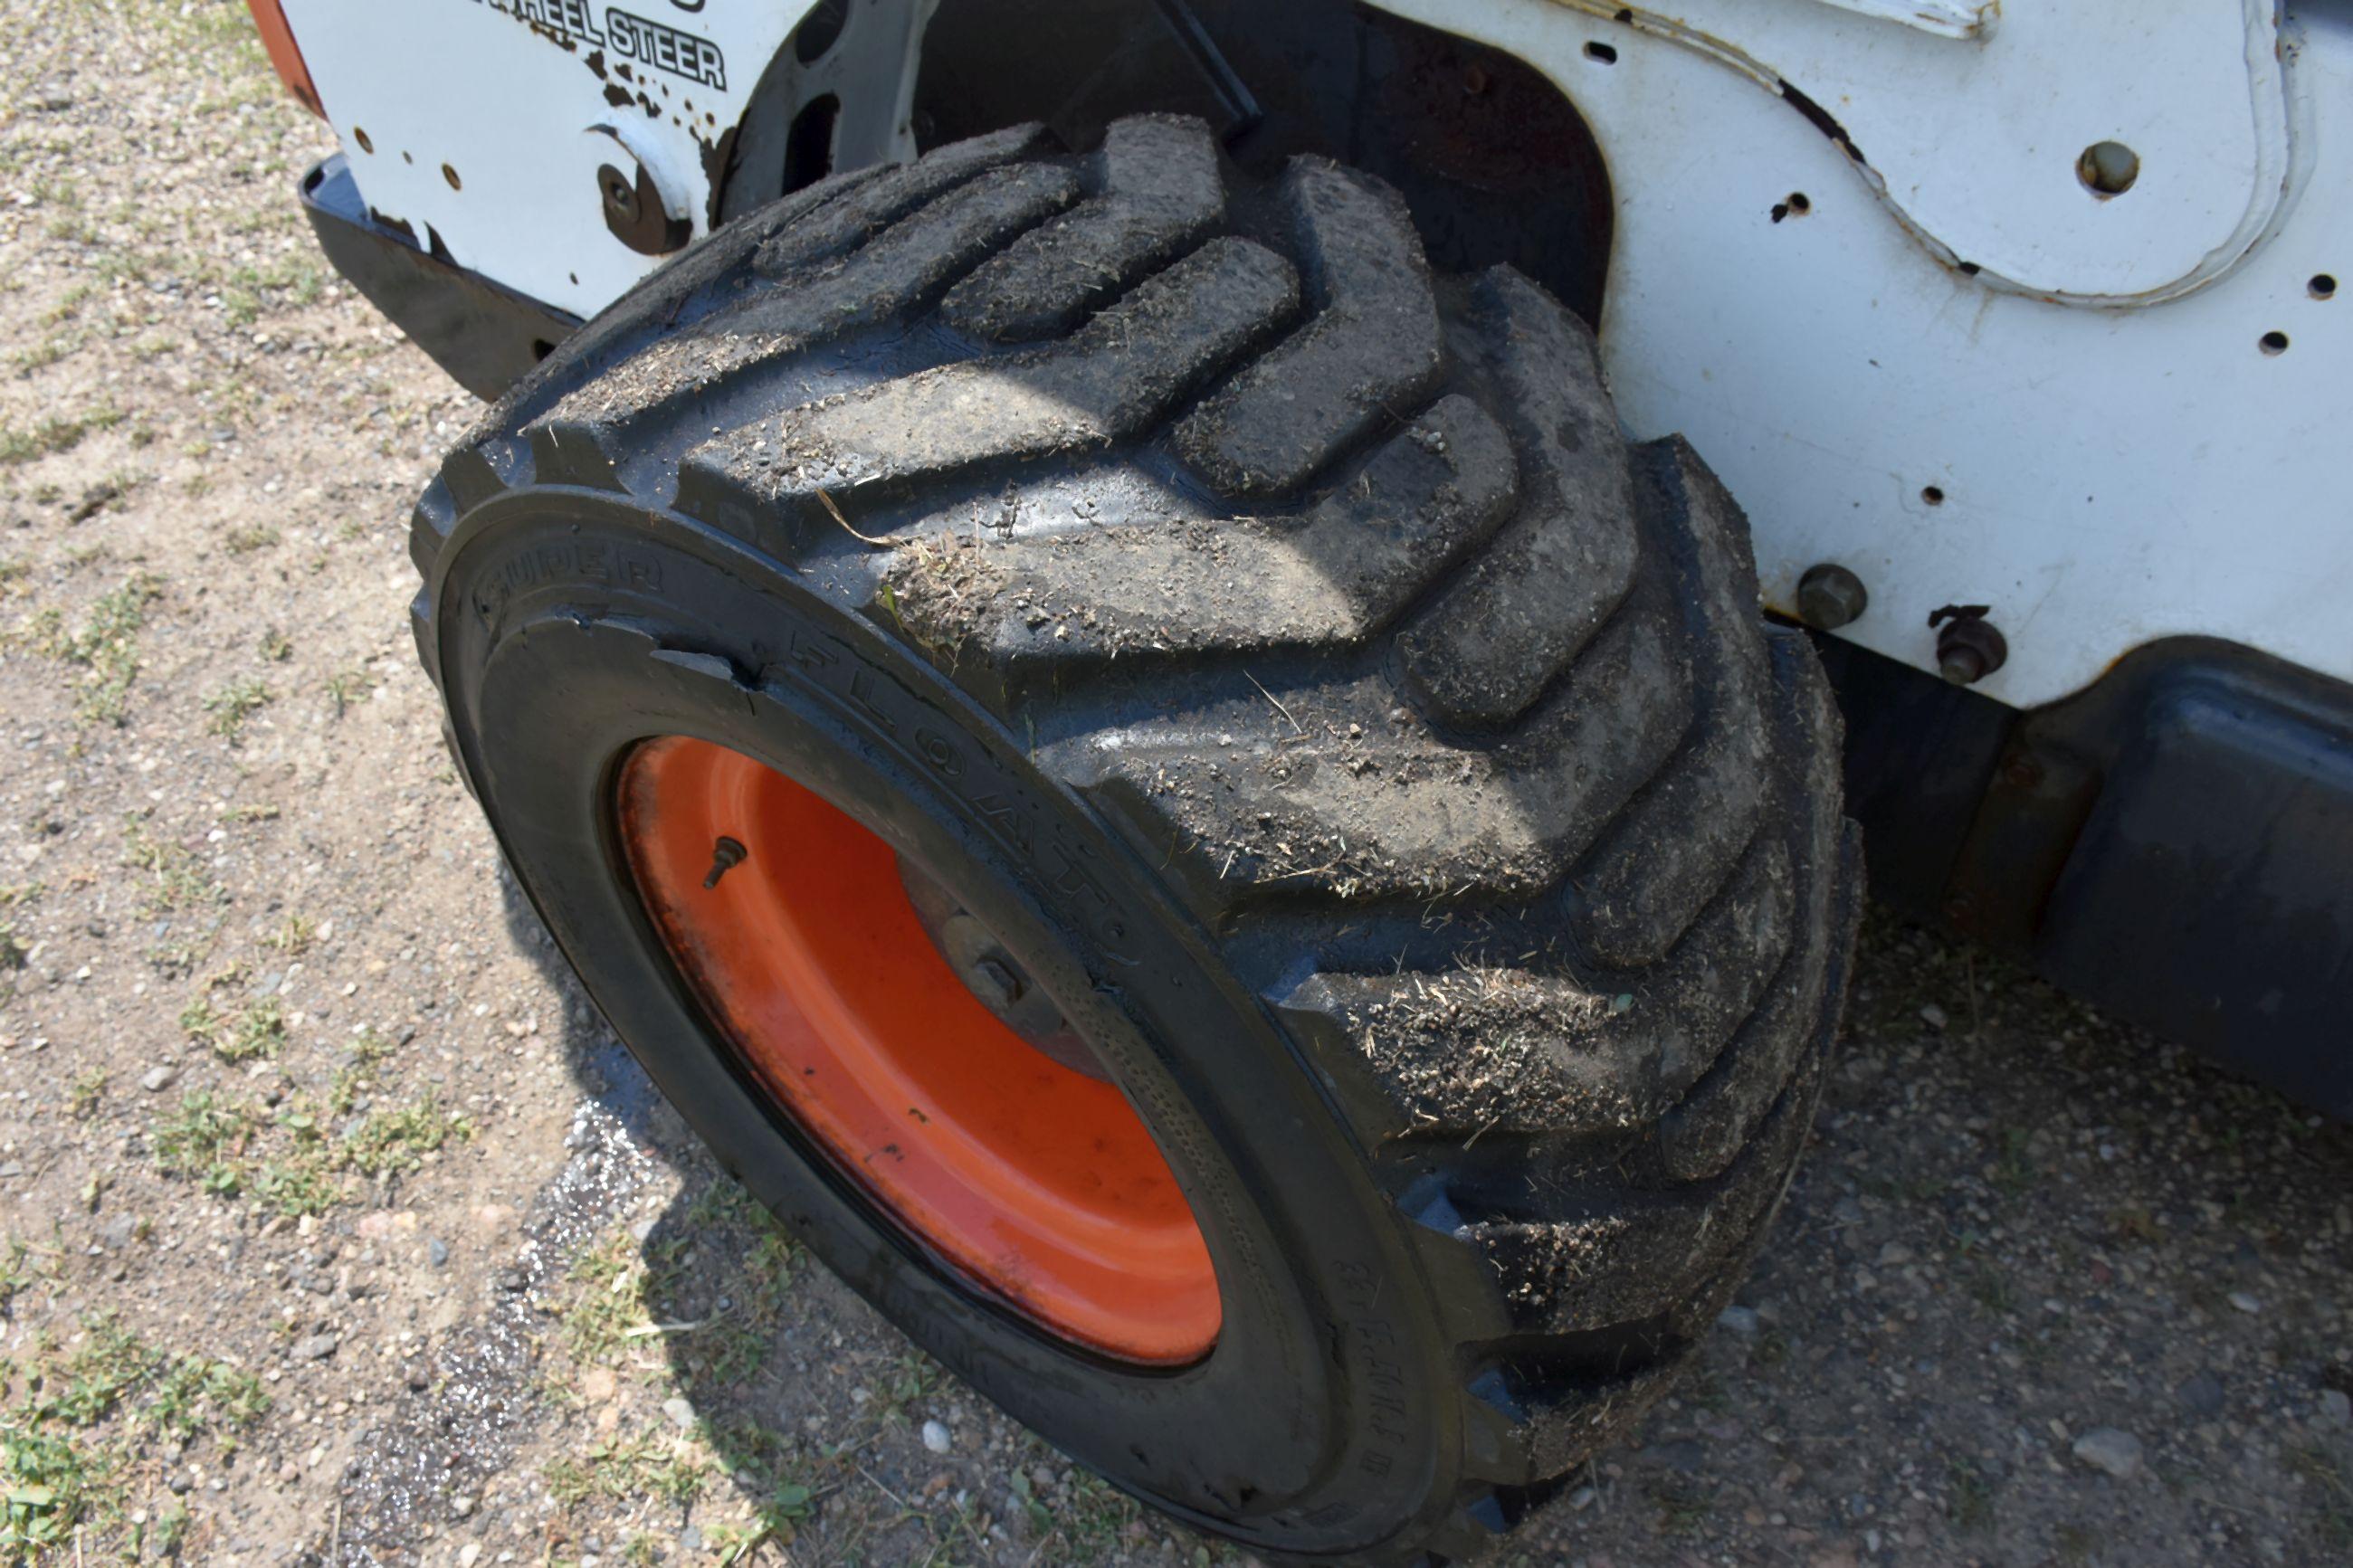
(1282, 649)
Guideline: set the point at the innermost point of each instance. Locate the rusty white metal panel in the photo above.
(476, 122)
(2099, 476)
(1972, 134)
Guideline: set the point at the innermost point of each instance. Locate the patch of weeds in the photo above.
(67, 1444)
(180, 882)
(614, 1303)
(913, 1378)
(207, 1139)
(2072, 1545)
(18, 1273)
(1989, 1287)
(45, 353)
(49, 1486)
(295, 937)
(233, 704)
(2014, 1174)
(297, 1183)
(2326, 1476)
(1684, 1508)
(24, 443)
(114, 1369)
(240, 1036)
(277, 647)
(394, 1143)
(760, 1463)
(1970, 1507)
(347, 687)
(769, 1253)
(106, 646)
(83, 1095)
(247, 538)
(651, 1463)
(1089, 1519)
(1705, 1390)
(18, 894)
(296, 1187)
(776, 1519)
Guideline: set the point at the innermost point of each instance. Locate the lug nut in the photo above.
(1830, 596)
(996, 982)
(725, 856)
(1970, 647)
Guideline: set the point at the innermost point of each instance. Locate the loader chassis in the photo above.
(2025, 317)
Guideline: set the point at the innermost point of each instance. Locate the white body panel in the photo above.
(2109, 475)
(2077, 380)
(509, 94)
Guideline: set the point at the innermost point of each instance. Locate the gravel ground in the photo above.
(334, 1226)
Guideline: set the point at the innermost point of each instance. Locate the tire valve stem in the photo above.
(725, 856)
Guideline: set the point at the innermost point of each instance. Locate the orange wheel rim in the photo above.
(1019, 1164)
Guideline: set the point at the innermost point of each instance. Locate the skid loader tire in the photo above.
(1382, 761)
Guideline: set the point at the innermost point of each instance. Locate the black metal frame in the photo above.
(487, 336)
(2174, 844)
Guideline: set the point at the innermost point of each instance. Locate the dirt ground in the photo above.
(334, 1227)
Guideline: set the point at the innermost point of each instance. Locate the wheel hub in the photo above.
(912, 1047)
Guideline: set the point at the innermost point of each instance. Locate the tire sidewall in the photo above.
(569, 625)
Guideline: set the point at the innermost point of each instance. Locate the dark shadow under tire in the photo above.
(1280, 649)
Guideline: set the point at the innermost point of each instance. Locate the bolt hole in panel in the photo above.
(2075, 369)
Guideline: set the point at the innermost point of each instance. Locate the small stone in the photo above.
(1934, 1017)
(461, 1505)
(935, 1437)
(1581, 1500)
(2106, 1448)
(436, 1251)
(680, 1413)
(2244, 1302)
(2202, 1395)
(689, 1539)
(315, 1347)
(469, 1554)
(2336, 1409)
(157, 1079)
(1741, 1321)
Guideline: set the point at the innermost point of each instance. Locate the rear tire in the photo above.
(1281, 650)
